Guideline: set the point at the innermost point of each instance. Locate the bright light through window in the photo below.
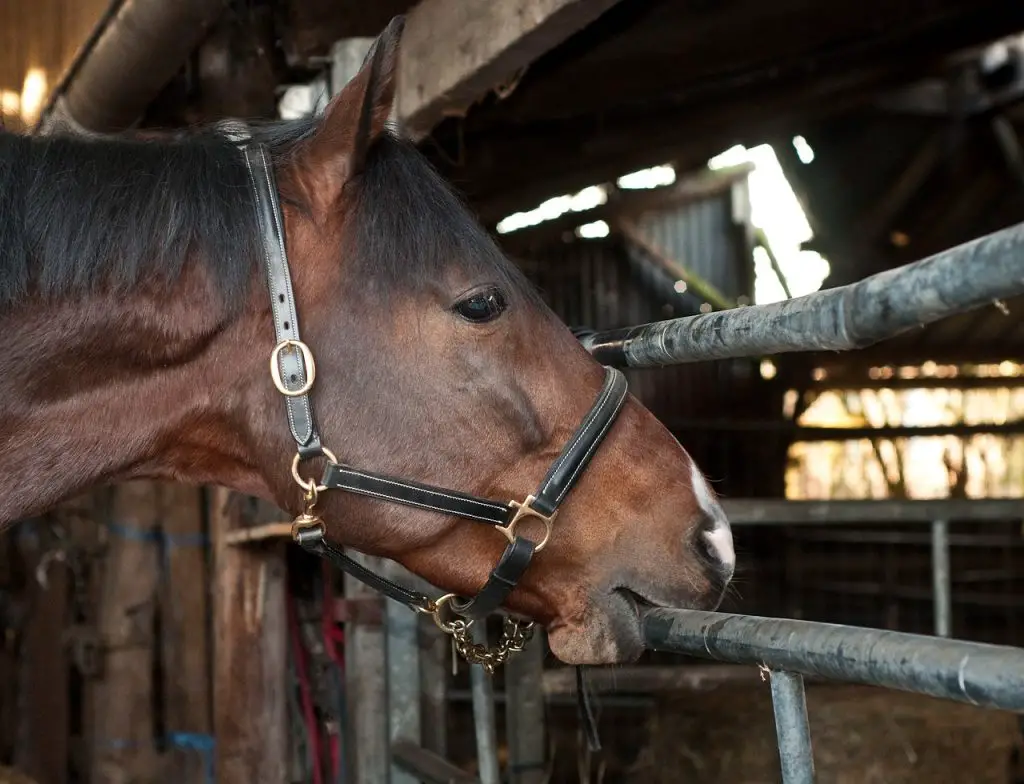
(803, 149)
(592, 231)
(655, 177)
(775, 210)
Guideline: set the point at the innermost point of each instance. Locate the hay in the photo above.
(860, 735)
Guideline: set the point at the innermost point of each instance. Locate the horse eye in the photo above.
(483, 307)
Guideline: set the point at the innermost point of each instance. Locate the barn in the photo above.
(638, 161)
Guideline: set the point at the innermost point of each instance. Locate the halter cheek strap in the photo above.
(293, 371)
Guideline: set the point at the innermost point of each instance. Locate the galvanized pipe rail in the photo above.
(968, 276)
(989, 676)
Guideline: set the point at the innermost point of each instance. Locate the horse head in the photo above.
(436, 361)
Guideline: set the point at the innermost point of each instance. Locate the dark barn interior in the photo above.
(914, 113)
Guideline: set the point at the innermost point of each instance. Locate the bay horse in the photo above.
(137, 331)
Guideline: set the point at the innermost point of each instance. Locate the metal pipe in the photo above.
(979, 674)
(941, 579)
(484, 716)
(789, 704)
(968, 276)
(137, 51)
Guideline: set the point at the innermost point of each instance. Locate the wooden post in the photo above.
(250, 652)
(524, 714)
(435, 664)
(366, 682)
(184, 636)
(45, 726)
(122, 721)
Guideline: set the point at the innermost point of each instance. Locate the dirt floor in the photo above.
(860, 736)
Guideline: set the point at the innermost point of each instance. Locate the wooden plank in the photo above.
(453, 52)
(428, 766)
(258, 533)
(366, 687)
(525, 715)
(403, 677)
(771, 511)
(250, 653)
(122, 722)
(185, 635)
(435, 664)
(45, 721)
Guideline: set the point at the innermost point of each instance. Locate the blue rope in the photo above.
(188, 741)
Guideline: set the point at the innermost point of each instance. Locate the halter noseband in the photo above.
(293, 371)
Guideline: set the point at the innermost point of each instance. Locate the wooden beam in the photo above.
(771, 511)
(454, 52)
(184, 632)
(250, 653)
(123, 723)
(45, 722)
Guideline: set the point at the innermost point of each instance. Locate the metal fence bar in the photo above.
(954, 281)
(789, 703)
(403, 680)
(777, 511)
(941, 579)
(484, 716)
(979, 674)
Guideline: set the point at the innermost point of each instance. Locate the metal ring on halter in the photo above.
(275, 367)
(307, 484)
(439, 605)
(525, 510)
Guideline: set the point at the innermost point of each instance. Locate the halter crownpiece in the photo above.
(293, 370)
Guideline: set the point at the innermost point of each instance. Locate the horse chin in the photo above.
(607, 632)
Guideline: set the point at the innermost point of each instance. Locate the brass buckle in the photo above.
(307, 484)
(275, 367)
(523, 511)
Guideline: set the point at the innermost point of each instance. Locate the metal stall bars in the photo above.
(968, 276)
(936, 513)
(975, 673)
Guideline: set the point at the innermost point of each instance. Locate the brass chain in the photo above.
(514, 636)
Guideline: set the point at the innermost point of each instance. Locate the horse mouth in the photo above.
(636, 601)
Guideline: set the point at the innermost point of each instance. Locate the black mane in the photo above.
(78, 213)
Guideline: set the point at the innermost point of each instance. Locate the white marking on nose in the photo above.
(719, 536)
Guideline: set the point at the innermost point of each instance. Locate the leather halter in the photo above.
(293, 370)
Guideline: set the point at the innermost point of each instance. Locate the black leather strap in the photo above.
(402, 491)
(588, 436)
(500, 582)
(312, 540)
(291, 363)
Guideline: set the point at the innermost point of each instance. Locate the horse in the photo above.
(137, 331)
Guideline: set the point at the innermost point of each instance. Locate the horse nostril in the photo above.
(714, 543)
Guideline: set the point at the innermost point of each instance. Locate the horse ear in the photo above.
(353, 119)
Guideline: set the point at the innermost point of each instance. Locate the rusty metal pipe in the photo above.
(136, 52)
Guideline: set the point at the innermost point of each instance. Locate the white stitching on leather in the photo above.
(593, 417)
(399, 483)
(593, 446)
(364, 491)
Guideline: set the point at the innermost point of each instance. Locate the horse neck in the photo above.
(102, 389)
